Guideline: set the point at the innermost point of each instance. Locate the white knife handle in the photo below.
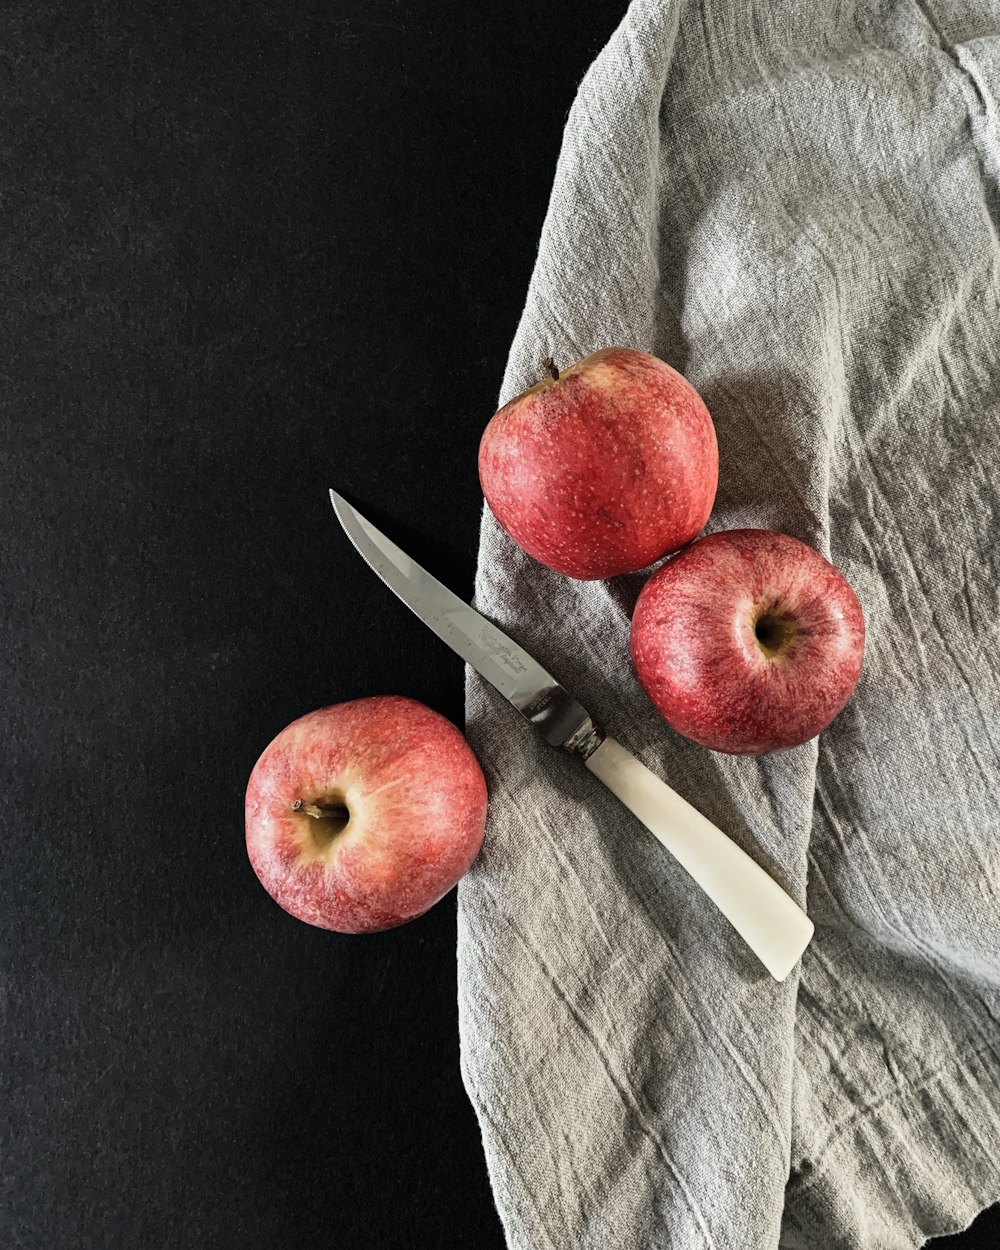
(772, 924)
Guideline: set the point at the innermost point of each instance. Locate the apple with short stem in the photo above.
(748, 641)
(604, 467)
(362, 815)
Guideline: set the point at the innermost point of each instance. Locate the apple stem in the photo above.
(550, 364)
(318, 813)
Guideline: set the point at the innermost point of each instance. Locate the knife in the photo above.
(771, 923)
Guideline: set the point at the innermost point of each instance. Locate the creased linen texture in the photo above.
(797, 206)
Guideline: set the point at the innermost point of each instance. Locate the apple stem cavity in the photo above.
(774, 633)
(550, 365)
(338, 813)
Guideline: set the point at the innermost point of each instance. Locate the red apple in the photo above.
(602, 468)
(363, 815)
(748, 641)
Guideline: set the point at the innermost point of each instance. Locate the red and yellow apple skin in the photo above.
(604, 469)
(401, 807)
(748, 641)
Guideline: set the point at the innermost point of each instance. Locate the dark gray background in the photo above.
(250, 250)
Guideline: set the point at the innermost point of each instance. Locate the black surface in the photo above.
(250, 250)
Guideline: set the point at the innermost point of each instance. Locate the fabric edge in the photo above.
(963, 1100)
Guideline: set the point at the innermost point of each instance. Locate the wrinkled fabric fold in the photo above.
(798, 209)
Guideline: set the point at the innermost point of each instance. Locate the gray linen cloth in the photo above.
(797, 206)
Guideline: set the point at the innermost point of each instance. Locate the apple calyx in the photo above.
(550, 365)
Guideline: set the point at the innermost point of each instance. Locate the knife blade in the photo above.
(766, 917)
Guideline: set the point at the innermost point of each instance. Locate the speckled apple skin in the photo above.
(604, 471)
(696, 653)
(417, 802)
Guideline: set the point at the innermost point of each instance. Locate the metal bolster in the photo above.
(585, 741)
(562, 721)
